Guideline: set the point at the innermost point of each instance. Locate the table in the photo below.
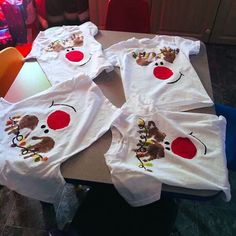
(89, 165)
(30, 80)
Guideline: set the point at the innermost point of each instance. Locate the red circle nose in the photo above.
(58, 120)
(75, 56)
(183, 147)
(162, 72)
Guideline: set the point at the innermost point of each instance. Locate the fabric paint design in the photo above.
(71, 49)
(152, 145)
(160, 71)
(22, 127)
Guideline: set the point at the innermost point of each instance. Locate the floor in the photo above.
(20, 216)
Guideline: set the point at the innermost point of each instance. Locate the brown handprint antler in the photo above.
(169, 54)
(77, 39)
(56, 46)
(59, 45)
(144, 58)
(16, 123)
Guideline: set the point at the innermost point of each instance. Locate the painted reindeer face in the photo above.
(24, 128)
(153, 143)
(163, 63)
(71, 49)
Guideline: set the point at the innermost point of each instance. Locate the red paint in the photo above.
(75, 56)
(183, 147)
(162, 72)
(58, 120)
(9, 122)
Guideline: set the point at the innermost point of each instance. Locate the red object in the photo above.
(41, 10)
(15, 21)
(162, 72)
(58, 120)
(24, 49)
(128, 16)
(75, 56)
(183, 147)
(31, 20)
(5, 39)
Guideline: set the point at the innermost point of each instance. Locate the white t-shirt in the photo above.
(159, 68)
(39, 133)
(176, 148)
(68, 51)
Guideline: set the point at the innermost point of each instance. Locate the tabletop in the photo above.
(89, 165)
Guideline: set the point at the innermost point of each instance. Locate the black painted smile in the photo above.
(205, 147)
(180, 76)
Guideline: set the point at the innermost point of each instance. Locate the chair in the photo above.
(230, 114)
(11, 63)
(128, 16)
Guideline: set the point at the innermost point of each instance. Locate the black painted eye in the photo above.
(43, 126)
(161, 63)
(156, 64)
(46, 131)
(72, 49)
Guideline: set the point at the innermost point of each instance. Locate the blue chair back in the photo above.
(230, 114)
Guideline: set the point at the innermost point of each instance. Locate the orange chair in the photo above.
(128, 16)
(11, 61)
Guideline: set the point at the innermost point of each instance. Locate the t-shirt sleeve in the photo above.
(3, 104)
(89, 28)
(37, 47)
(188, 46)
(115, 53)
